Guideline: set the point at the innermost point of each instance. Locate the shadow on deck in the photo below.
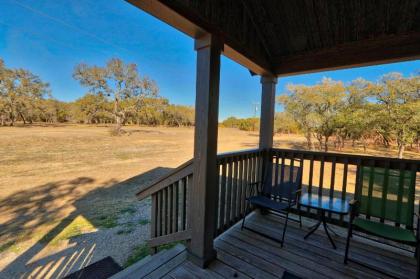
(244, 254)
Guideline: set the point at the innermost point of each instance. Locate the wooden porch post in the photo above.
(205, 179)
(268, 100)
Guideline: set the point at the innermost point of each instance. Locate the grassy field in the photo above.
(68, 192)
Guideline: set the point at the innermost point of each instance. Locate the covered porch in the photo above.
(201, 201)
(243, 254)
(246, 254)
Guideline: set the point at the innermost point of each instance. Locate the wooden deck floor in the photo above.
(244, 254)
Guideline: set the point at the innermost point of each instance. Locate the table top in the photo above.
(334, 205)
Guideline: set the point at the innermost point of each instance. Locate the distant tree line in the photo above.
(245, 124)
(385, 112)
(116, 94)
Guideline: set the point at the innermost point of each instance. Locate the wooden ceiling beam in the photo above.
(169, 16)
(383, 50)
(183, 19)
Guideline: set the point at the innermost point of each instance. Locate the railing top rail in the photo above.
(238, 153)
(172, 176)
(183, 170)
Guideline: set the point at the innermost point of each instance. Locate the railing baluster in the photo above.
(170, 208)
(276, 169)
(283, 163)
(332, 181)
(245, 183)
(241, 186)
(229, 193)
(344, 187)
(153, 224)
(263, 156)
(175, 202)
(222, 201)
(166, 211)
(235, 190)
(184, 203)
(255, 178)
(345, 170)
(311, 174)
(160, 211)
(321, 176)
(189, 190)
(251, 168)
(370, 189)
(292, 166)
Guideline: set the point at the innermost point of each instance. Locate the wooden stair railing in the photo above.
(169, 194)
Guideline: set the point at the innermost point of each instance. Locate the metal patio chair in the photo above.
(384, 208)
(278, 194)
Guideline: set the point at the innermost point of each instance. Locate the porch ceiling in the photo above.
(288, 37)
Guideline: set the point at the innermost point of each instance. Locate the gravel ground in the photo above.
(72, 255)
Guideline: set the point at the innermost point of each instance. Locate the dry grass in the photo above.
(51, 175)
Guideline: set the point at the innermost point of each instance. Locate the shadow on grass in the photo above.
(28, 211)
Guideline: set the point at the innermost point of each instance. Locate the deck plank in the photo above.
(393, 263)
(245, 254)
(286, 258)
(277, 264)
(201, 273)
(227, 271)
(316, 254)
(182, 273)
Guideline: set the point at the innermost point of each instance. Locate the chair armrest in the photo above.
(353, 202)
(297, 191)
(418, 226)
(252, 189)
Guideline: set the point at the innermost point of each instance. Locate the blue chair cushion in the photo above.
(268, 203)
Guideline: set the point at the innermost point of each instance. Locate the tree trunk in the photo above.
(326, 144)
(401, 148)
(23, 118)
(319, 138)
(309, 141)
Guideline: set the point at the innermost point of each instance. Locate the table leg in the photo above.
(324, 223)
(313, 229)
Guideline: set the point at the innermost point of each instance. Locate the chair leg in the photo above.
(349, 235)
(418, 260)
(284, 229)
(246, 213)
(300, 220)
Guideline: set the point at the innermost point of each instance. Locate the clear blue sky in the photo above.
(50, 37)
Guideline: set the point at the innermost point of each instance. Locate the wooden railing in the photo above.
(336, 174)
(236, 171)
(332, 174)
(170, 195)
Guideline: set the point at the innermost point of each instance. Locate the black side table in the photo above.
(324, 204)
